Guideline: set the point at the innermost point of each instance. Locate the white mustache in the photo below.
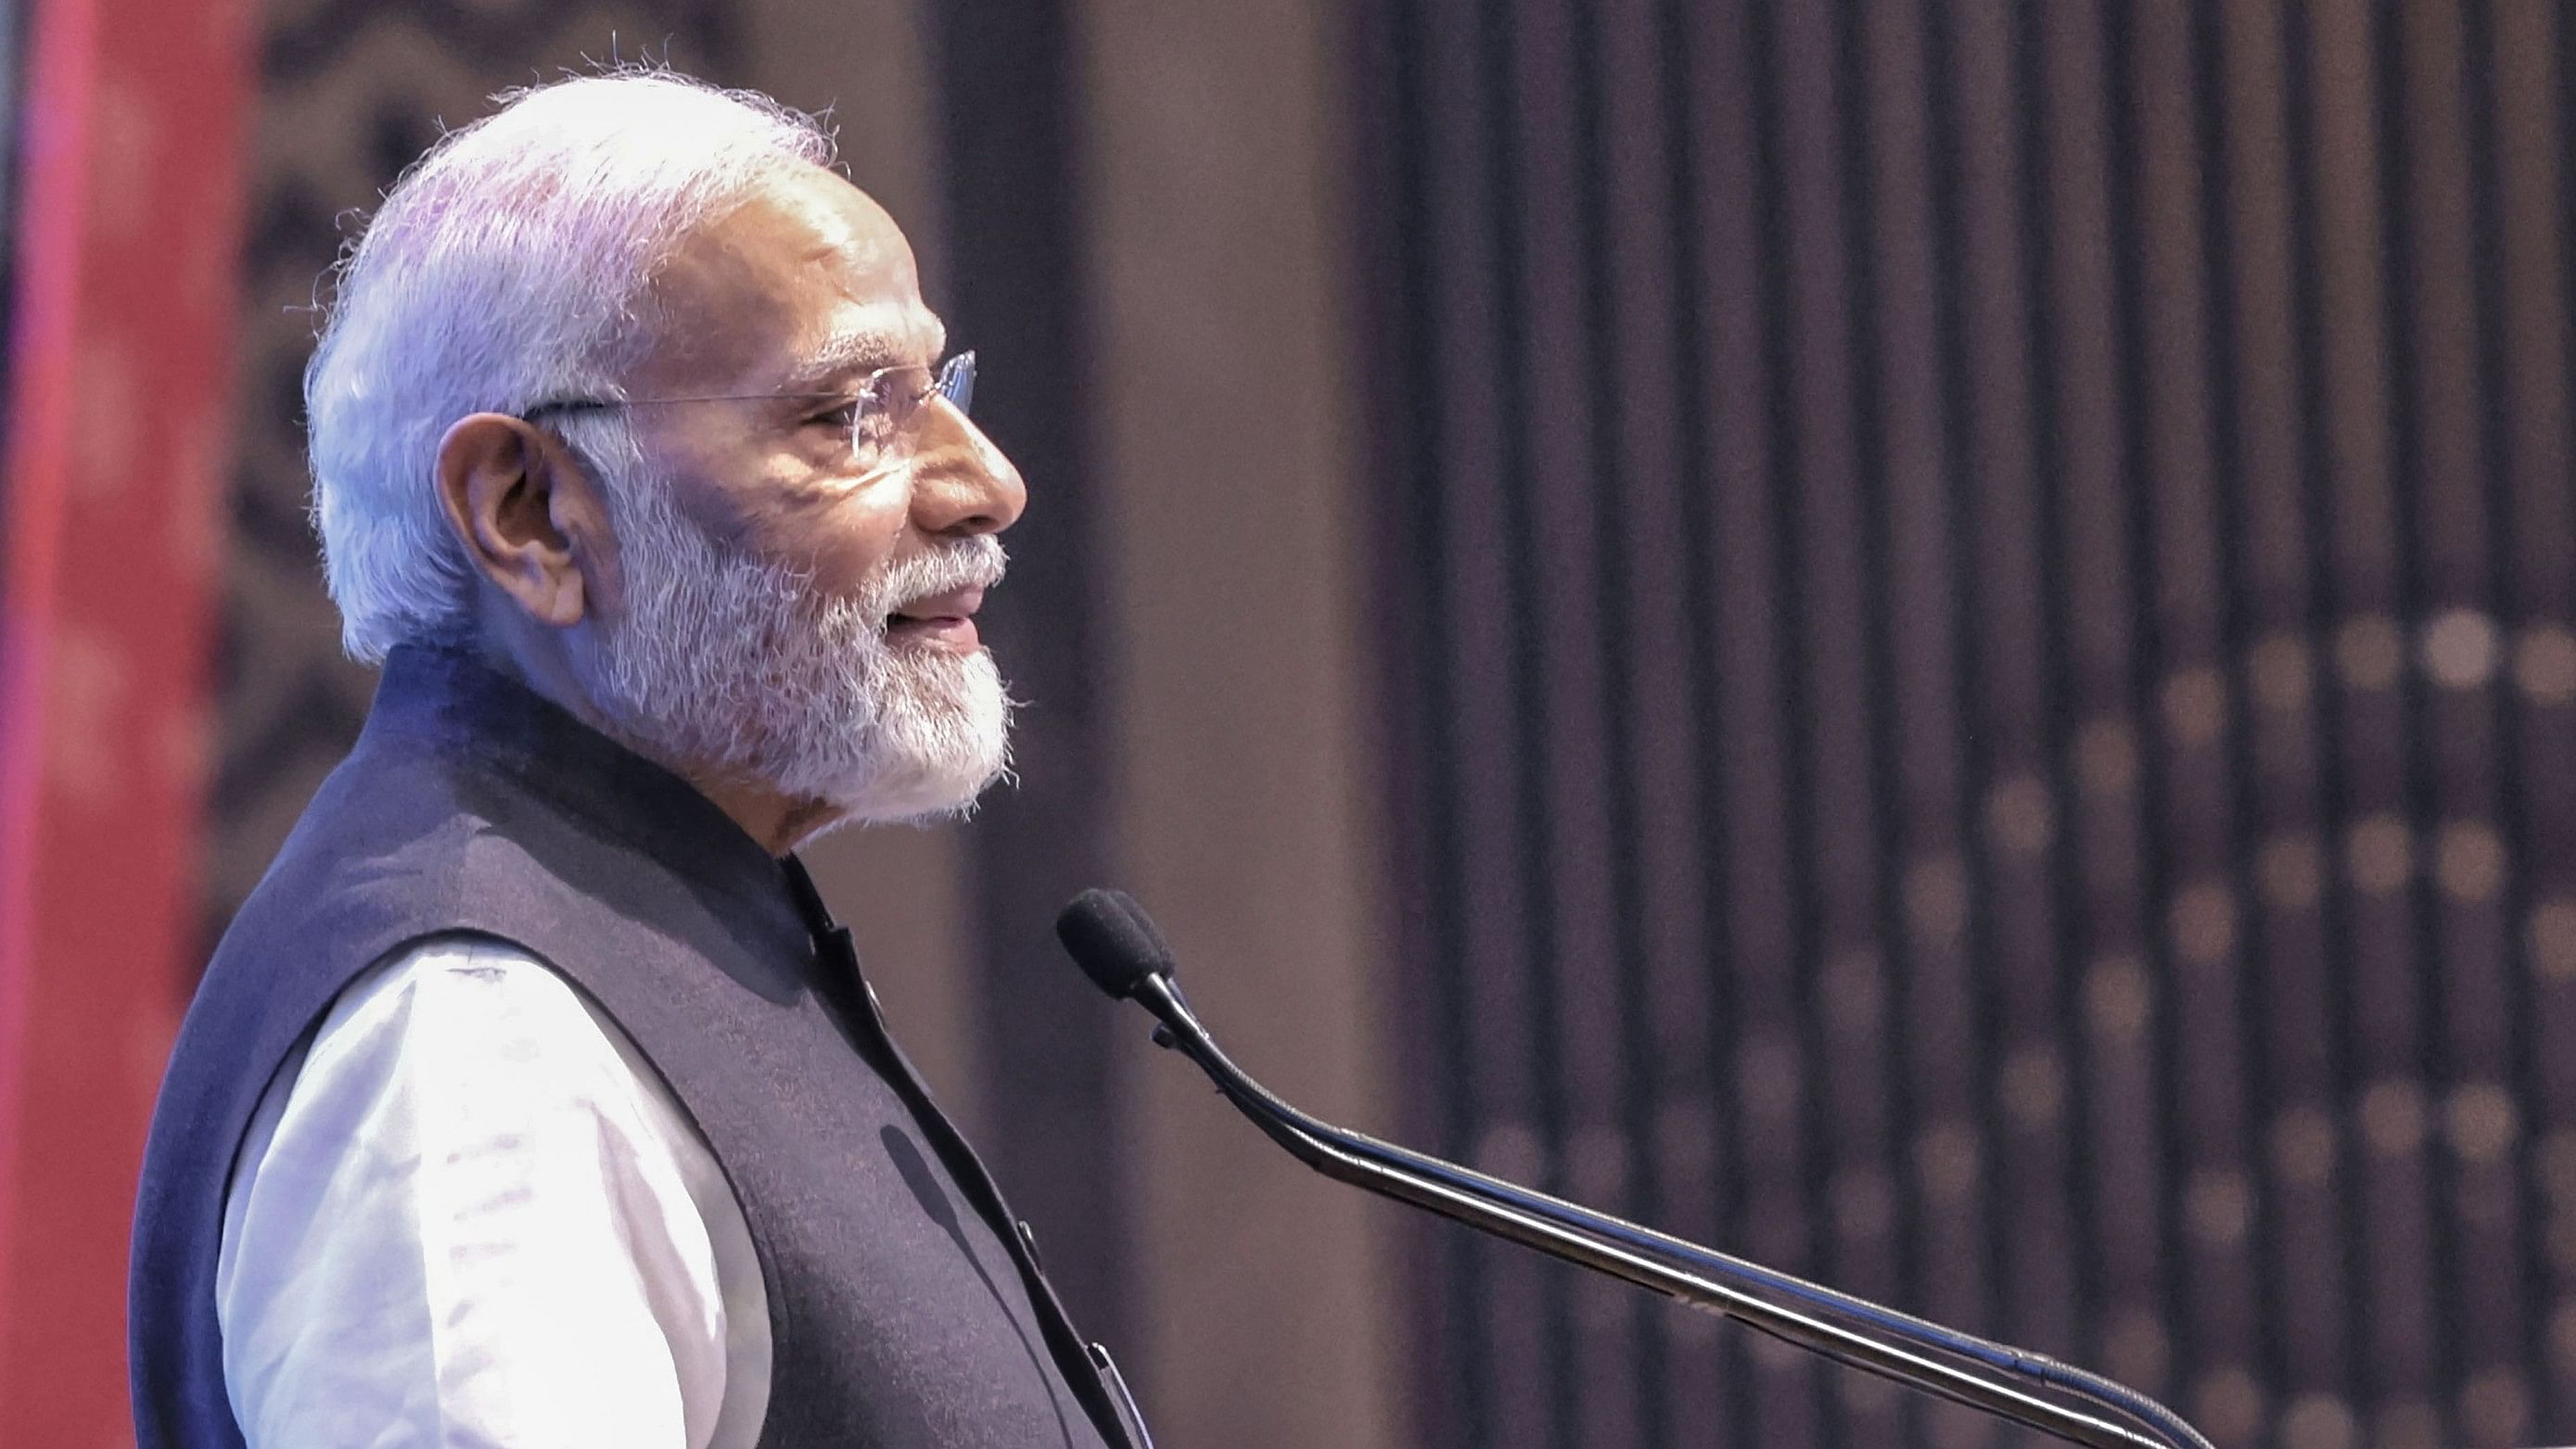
(973, 563)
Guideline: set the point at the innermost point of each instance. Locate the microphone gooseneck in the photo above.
(1109, 935)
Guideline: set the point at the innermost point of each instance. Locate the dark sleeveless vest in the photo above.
(906, 1306)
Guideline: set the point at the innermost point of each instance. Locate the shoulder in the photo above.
(461, 969)
(470, 1014)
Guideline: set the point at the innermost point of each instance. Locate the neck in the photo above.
(778, 821)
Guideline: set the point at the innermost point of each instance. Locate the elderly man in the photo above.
(533, 1099)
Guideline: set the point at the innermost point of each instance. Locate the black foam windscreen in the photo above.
(1112, 939)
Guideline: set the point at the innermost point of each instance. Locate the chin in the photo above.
(934, 749)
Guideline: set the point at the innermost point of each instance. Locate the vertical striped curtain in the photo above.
(1986, 704)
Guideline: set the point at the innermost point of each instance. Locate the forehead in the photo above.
(808, 279)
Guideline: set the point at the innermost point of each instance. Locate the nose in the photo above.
(961, 483)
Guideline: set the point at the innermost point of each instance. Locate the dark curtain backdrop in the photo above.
(1984, 708)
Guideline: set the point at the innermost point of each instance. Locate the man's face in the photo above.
(779, 611)
(807, 290)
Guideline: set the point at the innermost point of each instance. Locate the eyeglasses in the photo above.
(886, 409)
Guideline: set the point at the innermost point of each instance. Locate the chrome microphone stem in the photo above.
(1644, 1257)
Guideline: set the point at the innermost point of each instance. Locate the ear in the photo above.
(529, 518)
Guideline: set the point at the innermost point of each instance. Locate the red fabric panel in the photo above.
(117, 471)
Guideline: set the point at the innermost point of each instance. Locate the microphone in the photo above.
(1111, 938)
(1117, 945)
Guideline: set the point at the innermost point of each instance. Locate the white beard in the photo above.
(723, 663)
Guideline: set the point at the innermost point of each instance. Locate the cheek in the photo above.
(847, 543)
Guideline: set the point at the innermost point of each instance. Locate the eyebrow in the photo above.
(862, 350)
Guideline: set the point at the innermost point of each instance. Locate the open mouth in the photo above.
(942, 620)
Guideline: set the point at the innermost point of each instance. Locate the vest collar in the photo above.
(465, 710)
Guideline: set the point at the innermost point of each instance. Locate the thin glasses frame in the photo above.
(953, 380)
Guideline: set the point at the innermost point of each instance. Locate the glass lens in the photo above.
(888, 414)
(957, 382)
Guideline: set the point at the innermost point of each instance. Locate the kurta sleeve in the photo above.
(473, 1219)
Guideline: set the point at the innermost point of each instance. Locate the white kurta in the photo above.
(469, 1215)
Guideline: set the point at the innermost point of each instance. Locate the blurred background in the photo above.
(1932, 640)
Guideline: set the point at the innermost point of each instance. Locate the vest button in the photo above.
(1029, 1240)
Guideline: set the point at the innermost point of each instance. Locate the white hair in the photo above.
(507, 268)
